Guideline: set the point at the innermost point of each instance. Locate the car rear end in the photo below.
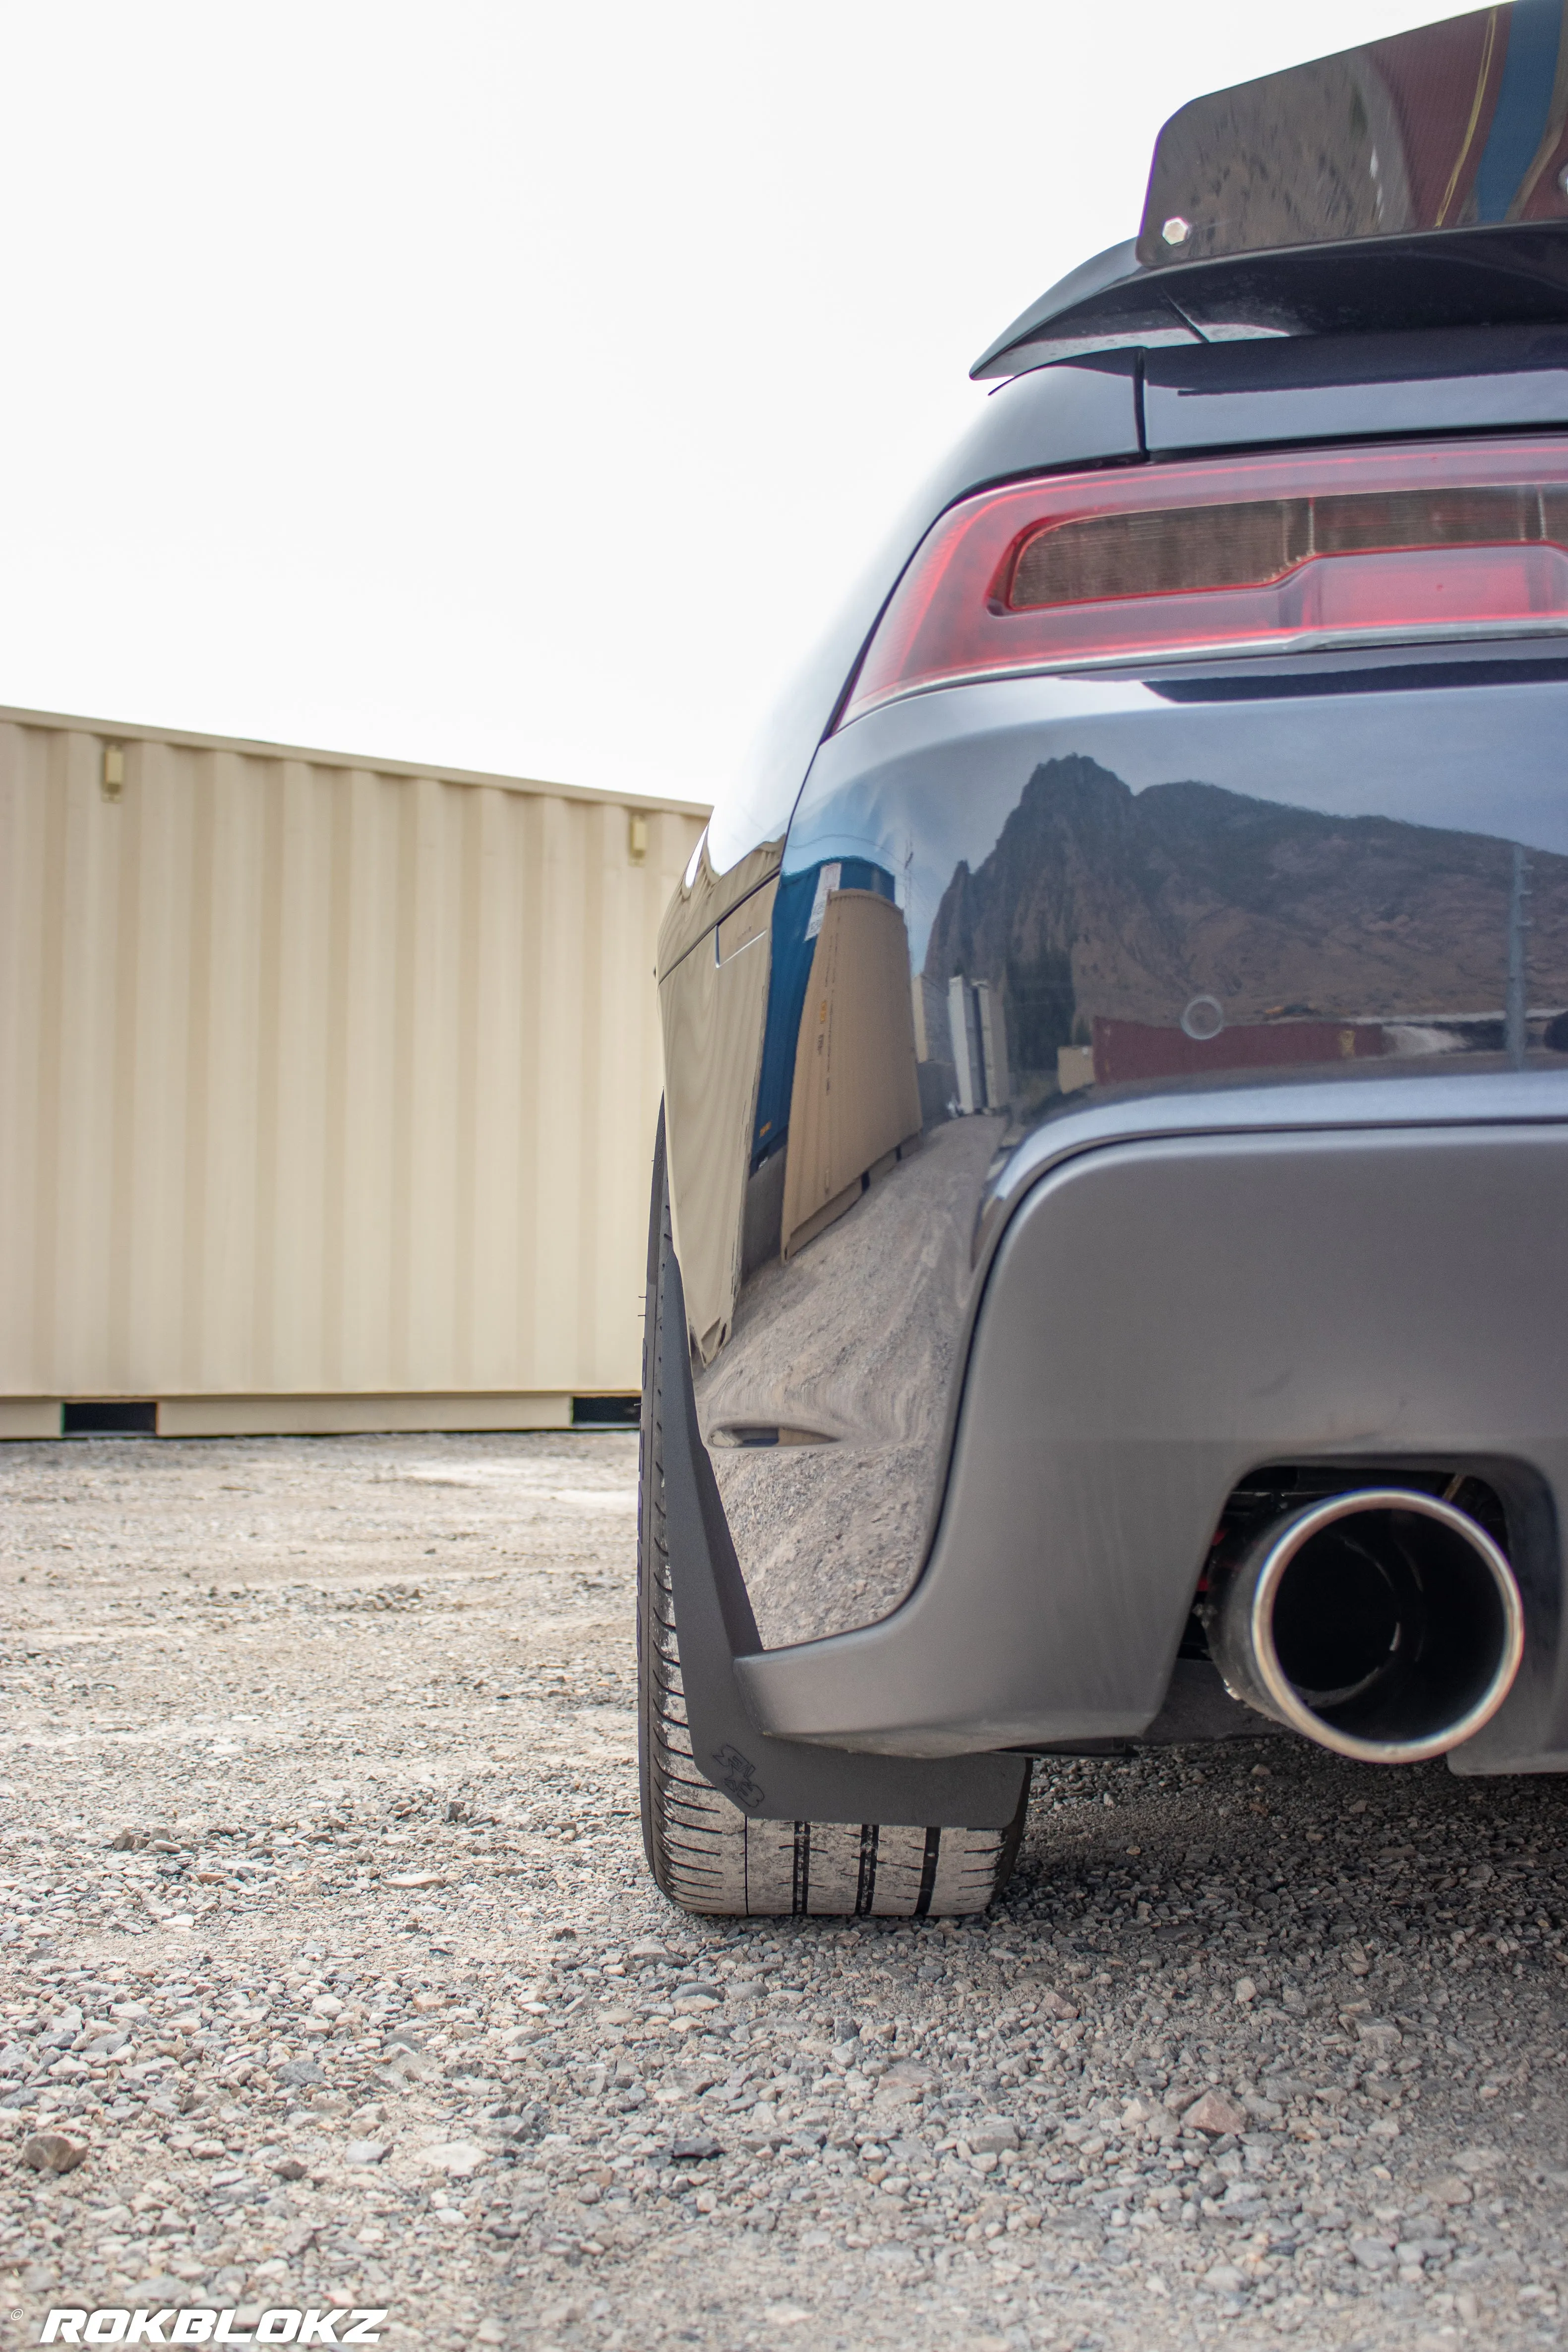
(1118, 1096)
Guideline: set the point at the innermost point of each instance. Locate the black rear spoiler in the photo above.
(1419, 181)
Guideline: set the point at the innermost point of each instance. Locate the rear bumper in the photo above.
(1163, 1315)
(1054, 1144)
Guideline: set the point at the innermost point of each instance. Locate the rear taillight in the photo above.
(1251, 554)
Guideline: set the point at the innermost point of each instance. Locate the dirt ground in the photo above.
(324, 1929)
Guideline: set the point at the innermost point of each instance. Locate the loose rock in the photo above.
(993, 2138)
(53, 2151)
(1215, 2115)
(460, 2156)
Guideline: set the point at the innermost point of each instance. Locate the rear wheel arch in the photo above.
(705, 1853)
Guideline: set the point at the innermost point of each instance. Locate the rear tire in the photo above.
(704, 1853)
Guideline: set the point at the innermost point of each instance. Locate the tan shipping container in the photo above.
(327, 1085)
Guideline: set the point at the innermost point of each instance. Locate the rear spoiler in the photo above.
(1419, 181)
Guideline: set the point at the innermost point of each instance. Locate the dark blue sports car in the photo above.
(1108, 1276)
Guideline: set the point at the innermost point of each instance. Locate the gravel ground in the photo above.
(323, 1925)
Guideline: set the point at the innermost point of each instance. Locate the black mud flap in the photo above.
(779, 1779)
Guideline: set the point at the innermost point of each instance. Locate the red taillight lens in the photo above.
(1241, 555)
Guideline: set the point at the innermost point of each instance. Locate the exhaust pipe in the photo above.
(1383, 1624)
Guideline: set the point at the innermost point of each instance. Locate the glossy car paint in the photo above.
(1087, 1089)
(1072, 905)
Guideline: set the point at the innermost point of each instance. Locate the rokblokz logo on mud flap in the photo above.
(115, 2325)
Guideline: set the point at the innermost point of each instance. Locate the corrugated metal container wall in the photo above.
(318, 1078)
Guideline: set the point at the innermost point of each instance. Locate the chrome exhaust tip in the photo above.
(1382, 1624)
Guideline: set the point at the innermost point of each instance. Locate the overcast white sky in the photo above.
(513, 386)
